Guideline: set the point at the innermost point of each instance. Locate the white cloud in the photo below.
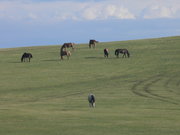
(54, 11)
(58, 11)
(160, 12)
(106, 11)
(32, 16)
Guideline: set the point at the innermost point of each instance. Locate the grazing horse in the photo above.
(106, 53)
(68, 45)
(92, 43)
(26, 56)
(91, 99)
(125, 52)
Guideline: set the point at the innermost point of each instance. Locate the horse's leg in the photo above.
(94, 104)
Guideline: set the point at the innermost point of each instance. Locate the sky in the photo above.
(54, 22)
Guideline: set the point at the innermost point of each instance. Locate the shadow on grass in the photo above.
(99, 58)
(51, 60)
(16, 62)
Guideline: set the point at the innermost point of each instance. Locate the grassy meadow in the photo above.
(139, 95)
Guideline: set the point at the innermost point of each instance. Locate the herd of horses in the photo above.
(26, 57)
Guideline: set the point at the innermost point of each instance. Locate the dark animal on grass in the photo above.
(92, 43)
(68, 45)
(26, 57)
(106, 53)
(125, 52)
(65, 53)
(91, 99)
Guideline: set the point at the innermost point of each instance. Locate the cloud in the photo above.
(103, 12)
(55, 11)
(63, 10)
(159, 12)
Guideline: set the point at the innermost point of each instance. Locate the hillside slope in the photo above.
(139, 95)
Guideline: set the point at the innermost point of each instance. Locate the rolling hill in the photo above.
(139, 95)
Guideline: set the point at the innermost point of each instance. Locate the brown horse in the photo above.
(125, 52)
(92, 43)
(68, 45)
(106, 53)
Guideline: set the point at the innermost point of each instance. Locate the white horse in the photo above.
(91, 99)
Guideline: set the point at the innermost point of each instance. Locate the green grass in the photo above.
(139, 95)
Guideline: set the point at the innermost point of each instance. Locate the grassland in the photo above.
(139, 95)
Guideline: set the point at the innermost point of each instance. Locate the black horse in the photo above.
(92, 43)
(125, 52)
(26, 56)
(106, 53)
(91, 99)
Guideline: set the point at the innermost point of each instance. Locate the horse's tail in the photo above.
(128, 54)
(116, 52)
(62, 48)
(22, 59)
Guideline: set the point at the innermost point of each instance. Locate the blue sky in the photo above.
(53, 22)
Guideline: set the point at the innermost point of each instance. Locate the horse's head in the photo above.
(30, 55)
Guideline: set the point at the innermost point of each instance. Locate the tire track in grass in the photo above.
(155, 95)
(137, 91)
(167, 85)
(147, 92)
(178, 84)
